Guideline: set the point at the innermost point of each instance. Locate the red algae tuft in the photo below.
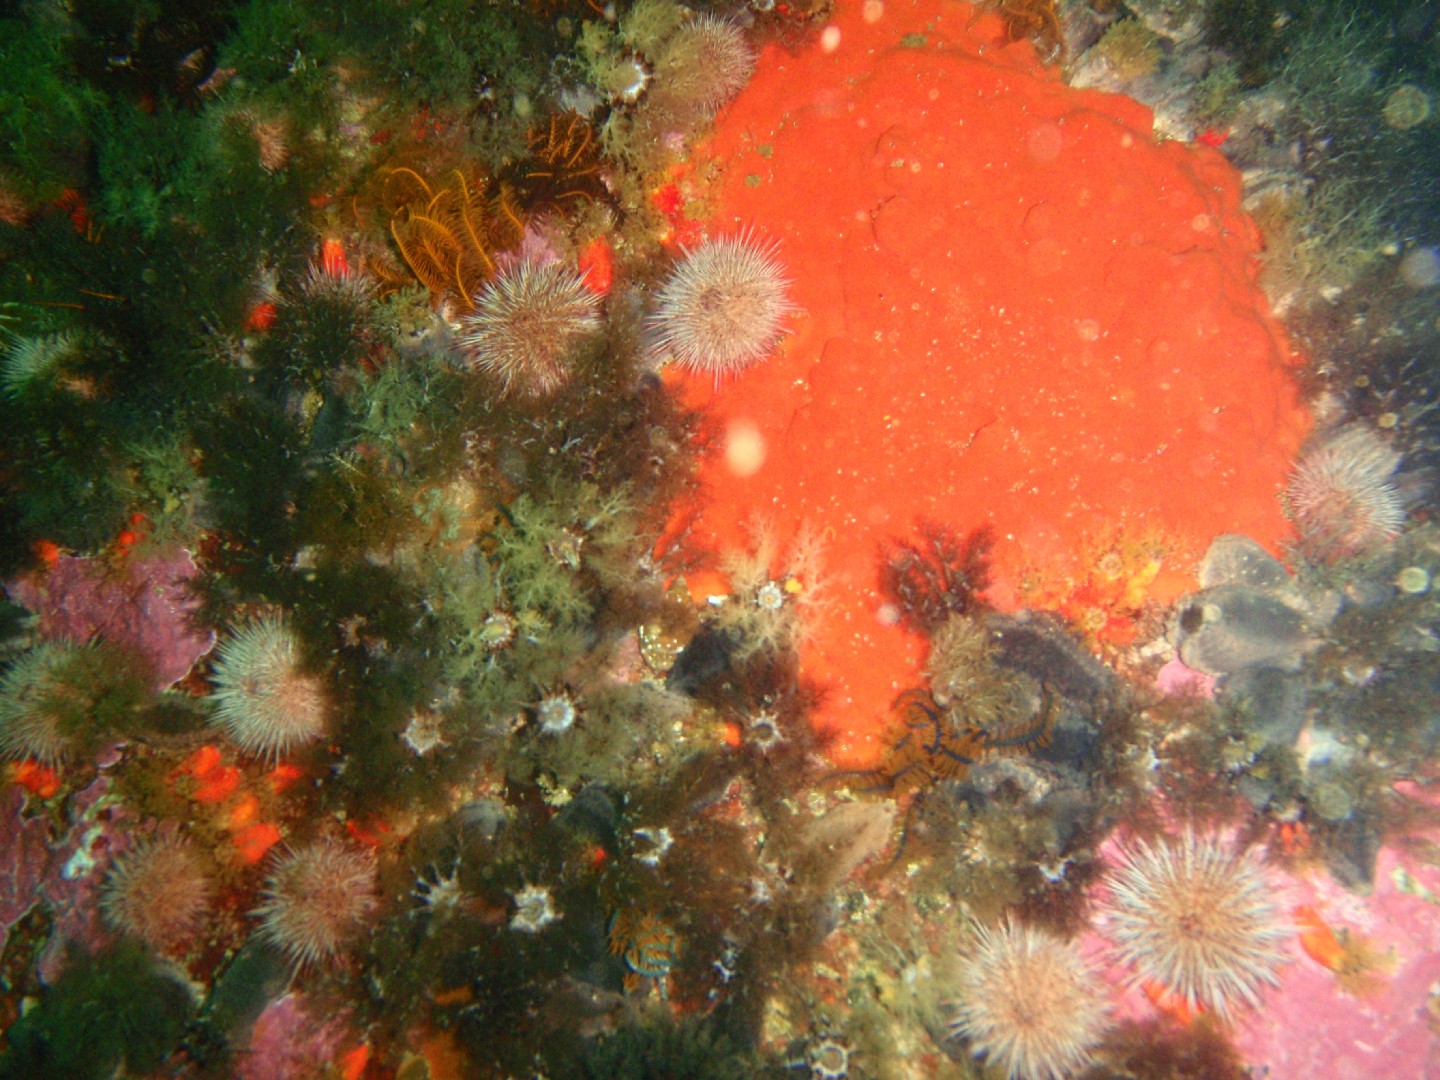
(1015, 307)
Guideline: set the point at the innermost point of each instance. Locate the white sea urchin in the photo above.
(1195, 917)
(263, 698)
(316, 899)
(1028, 1002)
(723, 308)
(525, 325)
(1342, 497)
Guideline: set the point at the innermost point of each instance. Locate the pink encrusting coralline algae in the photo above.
(24, 852)
(144, 605)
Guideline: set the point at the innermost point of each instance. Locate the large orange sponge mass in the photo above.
(1012, 305)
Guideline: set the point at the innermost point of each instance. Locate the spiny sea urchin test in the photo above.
(159, 893)
(1028, 1002)
(331, 281)
(526, 324)
(35, 700)
(723, 307)
(263, 698)
(1196, 918)
(316, 899)
(706, 62)
(1342, 495)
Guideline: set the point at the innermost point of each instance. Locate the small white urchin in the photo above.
(316, 899)
(723, 308)
(158, 892)
(525, 326)
(1028, 1002)
(706, 62)
(1342, 497)
(263, 698)
(1196, 918)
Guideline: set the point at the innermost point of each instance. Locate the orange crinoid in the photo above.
(562, 168)
(447, 234)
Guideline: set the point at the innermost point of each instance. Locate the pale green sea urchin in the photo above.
(264, 699)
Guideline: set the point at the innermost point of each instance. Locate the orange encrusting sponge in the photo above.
(1015, 306)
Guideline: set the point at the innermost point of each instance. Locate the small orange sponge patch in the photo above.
(1013, 305)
